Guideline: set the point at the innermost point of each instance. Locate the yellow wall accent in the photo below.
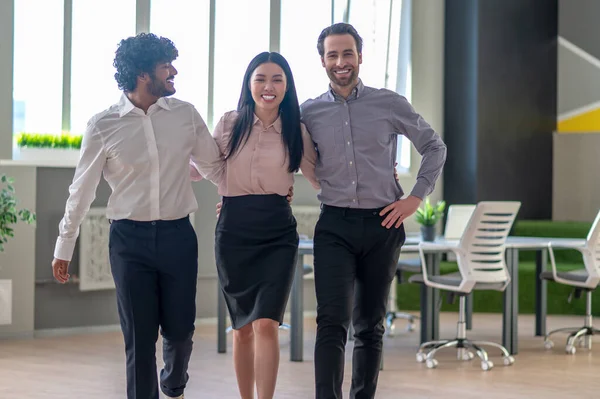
(588, 122)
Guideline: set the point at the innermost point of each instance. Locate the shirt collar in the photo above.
(354, 94)
(276, 125)
(162, 102)
(126, 106)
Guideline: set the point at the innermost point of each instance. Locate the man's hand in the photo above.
(399, 210)
(396, 171)
(60, 270)
(219, 209)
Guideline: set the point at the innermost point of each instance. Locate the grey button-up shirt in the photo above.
(356, 139)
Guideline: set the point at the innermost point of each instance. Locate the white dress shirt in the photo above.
(145, 158)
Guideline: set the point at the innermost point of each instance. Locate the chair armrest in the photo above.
(555, 271)
(432, 247)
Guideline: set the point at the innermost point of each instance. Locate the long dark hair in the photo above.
(289, 112)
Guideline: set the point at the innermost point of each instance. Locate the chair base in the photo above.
(390, 318)
(578, 335)
(581, 337)
(428, 350)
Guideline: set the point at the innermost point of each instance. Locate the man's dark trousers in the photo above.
(355, 261)
(155, 268)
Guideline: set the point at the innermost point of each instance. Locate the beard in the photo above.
(158, 88)
(342, 82)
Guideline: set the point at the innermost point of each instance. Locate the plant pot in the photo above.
(428, 233)
(48, 154)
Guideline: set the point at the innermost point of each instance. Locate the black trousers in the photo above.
(355, 260)
(155, 267)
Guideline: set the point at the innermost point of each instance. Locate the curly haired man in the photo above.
(144, 146)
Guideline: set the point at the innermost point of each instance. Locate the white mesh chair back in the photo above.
(482, 255)
(592, 259)
(456, 222)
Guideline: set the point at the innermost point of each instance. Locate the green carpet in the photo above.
(546, 228)
(408, 294)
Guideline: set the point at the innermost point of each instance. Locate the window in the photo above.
(38, 66)
(242, 32)
(386, 52)
(98, 27)
(301, 24)
(186, 23)
(372, 21)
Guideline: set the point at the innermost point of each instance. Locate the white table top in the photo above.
(512, 242)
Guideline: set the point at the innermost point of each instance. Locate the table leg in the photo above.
(511, 303)
(515, 303)
(541, 293)
(435, 329)
(297, 319)
(429, 300)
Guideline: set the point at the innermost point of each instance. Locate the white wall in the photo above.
(6, 77)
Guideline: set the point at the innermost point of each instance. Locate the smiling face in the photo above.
(268, 84)
(162, 84)
(341, 60)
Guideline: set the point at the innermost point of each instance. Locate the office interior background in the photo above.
(512, 86)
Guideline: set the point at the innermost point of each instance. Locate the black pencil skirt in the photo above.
(256, 244)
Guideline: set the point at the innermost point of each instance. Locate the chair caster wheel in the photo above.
(570, 349)
(410, 327)
(487, 365)
(466, 356)
(421, 357)
(390, 330)
(508, 360)
(548, 344)
(431, 364)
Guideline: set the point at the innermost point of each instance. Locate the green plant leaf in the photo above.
(9, 215)
(65, 140)
(429, 215)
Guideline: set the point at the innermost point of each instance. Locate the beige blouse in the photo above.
(260, 165)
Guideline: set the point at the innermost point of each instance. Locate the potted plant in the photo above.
(48, 147)
(9, 215)
(428, 216)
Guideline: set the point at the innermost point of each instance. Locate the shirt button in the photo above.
(348, 143)
(350, 162)
(353, 182)
(353, 200)
(346, 122)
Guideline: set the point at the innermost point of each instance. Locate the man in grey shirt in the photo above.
(359, 234)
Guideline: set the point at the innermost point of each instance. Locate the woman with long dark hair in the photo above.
(263, 143)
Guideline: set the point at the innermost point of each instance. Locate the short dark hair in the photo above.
(140, 54)
(340, 28)
(289, 112)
